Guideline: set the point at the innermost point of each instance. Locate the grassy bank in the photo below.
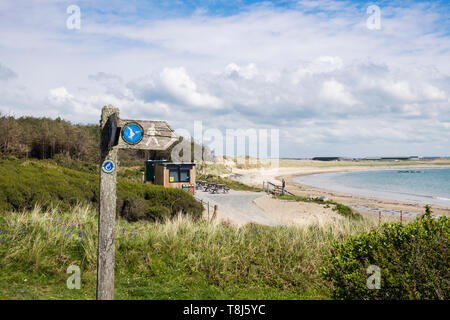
(230, 183)
(25, 183)
(340, 208)
(181, 259)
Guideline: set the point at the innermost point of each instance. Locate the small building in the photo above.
(171, 175)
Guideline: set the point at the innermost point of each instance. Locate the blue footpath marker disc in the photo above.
(132, 133)
(108, 166)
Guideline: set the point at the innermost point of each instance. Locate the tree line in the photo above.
(45, 138)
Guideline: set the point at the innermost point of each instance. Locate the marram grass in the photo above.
(180, 259)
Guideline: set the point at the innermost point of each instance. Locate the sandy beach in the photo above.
(366, 205)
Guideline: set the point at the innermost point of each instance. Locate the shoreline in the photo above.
(327, 181)
(366, 205)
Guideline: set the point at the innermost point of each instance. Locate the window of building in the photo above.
(184, 175)
(173, 175)
(179, 175)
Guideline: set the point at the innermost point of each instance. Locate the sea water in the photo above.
(428, 186)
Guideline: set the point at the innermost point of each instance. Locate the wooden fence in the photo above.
(210, 209)
(272, 188)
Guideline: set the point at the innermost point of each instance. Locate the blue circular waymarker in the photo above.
(132, 133)
(108, 166)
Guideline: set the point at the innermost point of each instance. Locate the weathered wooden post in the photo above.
(401, 216)
(107, 203)
(215, 213)
(379, 218)
(119, 134)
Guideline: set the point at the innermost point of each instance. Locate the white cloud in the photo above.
(179, 84)
(320, 65)
(247, 72)
(261, 67)
(433, 93)
(400, 89)
(60, 95)
(335, 92)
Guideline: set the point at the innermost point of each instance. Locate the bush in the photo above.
(341, 209)
(413, 260)
(24, 183)
(159, 213)
(133, 209)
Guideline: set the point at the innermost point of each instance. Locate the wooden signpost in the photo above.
(119, 134)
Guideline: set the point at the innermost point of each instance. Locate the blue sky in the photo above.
(312, 69)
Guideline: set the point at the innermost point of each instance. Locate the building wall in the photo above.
(159, 175)
(162, 177)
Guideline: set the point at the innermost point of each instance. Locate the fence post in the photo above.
(379, 218)
(107, 209)
(401, 216)
(215, 212)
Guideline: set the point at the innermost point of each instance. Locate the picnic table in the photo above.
(200, 185)
(217, 187)
(223, 187)
(211, 187)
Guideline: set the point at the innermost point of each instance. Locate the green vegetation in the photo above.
(26, 183)
(232, 184)
(343, 210)
(212, 173)
(164, 250)
(180, 259)
(45, 138)
(413, 260)
(135, 174)
(184, 258)
(215, 169)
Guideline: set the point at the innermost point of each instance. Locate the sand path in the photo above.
(236, 206)
(242, 207)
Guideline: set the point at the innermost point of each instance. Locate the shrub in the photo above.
(24, 183)
(413, 260)
(344, 210)
(132, 209)
(340, 208)
(159, 213)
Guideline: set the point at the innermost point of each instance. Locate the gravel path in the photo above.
(237, 206)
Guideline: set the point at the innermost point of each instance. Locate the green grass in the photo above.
(25, 183)
(215, 169)
(232, 184)
(340, 208)
(181, 259)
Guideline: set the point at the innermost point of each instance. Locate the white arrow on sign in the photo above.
(158, 135)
